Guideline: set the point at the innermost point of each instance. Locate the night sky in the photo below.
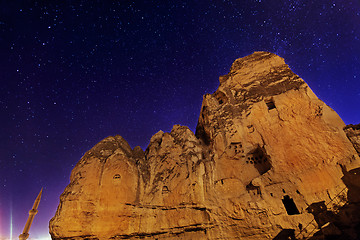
(75, 72)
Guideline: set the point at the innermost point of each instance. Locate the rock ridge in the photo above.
(267, 154)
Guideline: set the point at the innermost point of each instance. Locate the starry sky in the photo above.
(75, 72)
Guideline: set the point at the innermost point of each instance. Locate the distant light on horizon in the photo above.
(11, 222)
(48, 237)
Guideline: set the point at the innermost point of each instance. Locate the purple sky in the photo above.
(75, 72)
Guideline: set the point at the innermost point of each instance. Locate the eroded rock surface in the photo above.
(353, 133)
(266, 153)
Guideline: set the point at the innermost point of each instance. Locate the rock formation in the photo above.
(353, 133)
(266, 156)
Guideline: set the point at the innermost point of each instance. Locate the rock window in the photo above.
(220, 97)
(237, 146)
(117, 176)
(270, 104)
(165, 189)
(251, 128)
(253, 190)
(300, 226)
(290, 206)
(317, 208)
(258, 158)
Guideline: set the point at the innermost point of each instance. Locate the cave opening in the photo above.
(117, 176)
(220, 97)
(270, 104)
(165, 189)
(290, 205)
(258, 157)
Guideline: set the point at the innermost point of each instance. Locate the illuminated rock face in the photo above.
(353, 133)
(265, 149)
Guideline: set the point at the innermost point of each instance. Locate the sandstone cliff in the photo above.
(266, 153)
(353, 133)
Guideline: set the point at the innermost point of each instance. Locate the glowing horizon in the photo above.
(11, 221)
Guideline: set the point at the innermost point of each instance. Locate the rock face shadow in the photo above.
(285, 234)
(342, 223)
(260, 160)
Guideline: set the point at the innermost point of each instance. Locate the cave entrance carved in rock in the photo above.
(270, 104)
(290, 205)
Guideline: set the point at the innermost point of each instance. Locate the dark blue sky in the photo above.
(75, 72)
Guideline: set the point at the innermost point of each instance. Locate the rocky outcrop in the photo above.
(266, 154)
(353, 133)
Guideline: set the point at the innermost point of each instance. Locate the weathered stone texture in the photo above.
(353, 133)
(265, 150)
